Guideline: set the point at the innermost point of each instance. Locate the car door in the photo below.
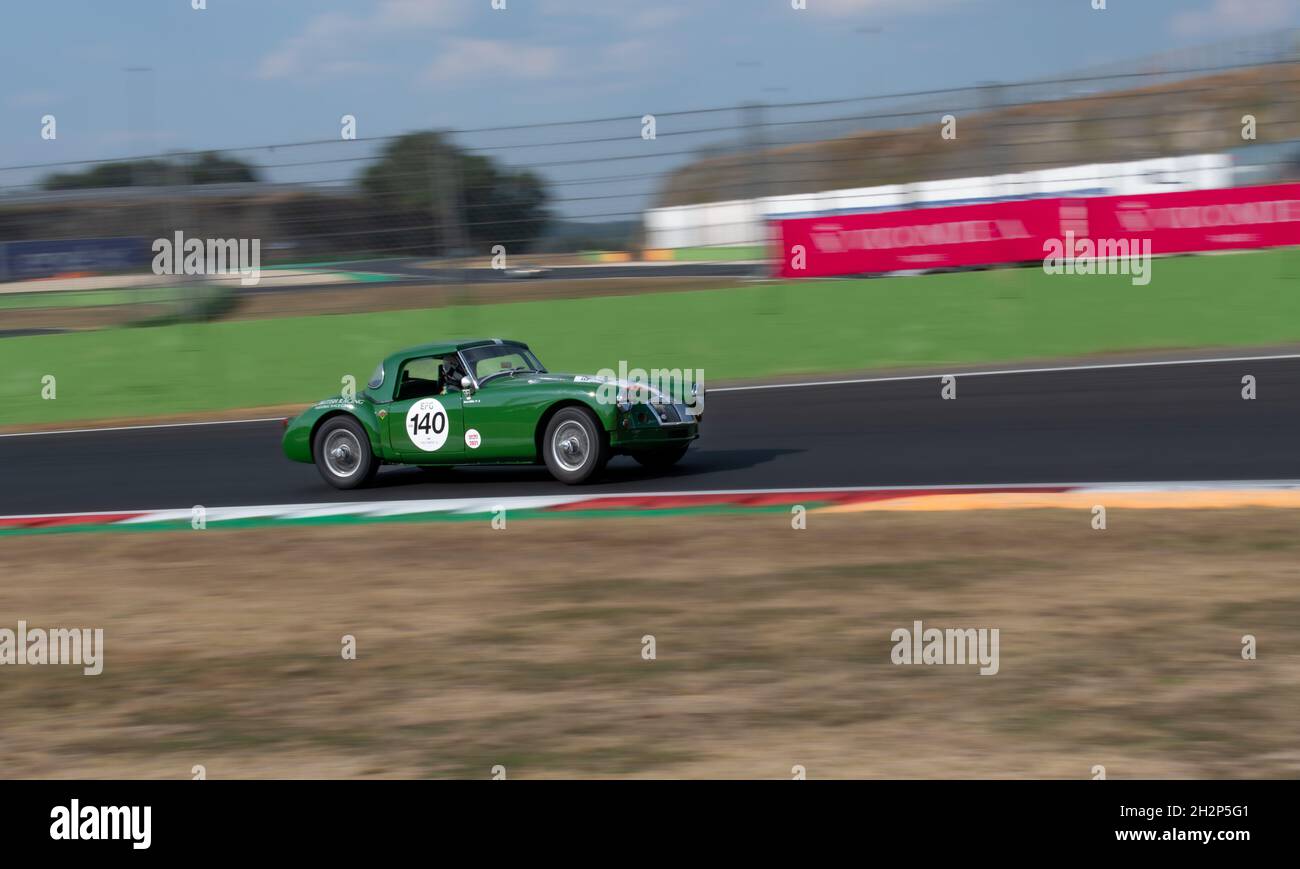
(424, 424)
(500, 418)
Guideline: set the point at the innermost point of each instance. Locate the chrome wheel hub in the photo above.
(571, 446)
(342, 453)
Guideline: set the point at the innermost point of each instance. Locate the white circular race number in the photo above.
(426, 424)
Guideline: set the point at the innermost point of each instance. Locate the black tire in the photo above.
(661, 459)
(342, 452)
(574, 446)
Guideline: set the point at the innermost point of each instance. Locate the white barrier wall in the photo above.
(744, 221)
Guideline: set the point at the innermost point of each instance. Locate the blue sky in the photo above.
(244, 72)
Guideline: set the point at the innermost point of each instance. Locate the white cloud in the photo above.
(656, 18)
(845, 8)
(631, 53)
(492, 59)
(334, 44)
(400, 14)
(634, 16)
(330, 42)
(1234, 16)
(33, 100)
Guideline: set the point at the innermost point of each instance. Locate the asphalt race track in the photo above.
(1138, 424)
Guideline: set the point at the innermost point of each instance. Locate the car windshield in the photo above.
(485, 362)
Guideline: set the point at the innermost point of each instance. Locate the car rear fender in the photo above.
(371, 426)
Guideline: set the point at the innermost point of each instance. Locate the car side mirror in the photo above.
(466, 384)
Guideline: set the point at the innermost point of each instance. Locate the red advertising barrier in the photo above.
(1200, 220)
(1009, 232)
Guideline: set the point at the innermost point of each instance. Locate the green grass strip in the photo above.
(779, 328)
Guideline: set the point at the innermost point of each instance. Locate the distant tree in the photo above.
(205, 168)
(210, 168)
(469, 200)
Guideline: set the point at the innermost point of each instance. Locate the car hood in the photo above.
(639, 391)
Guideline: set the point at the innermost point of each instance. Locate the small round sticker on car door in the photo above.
(426, 424)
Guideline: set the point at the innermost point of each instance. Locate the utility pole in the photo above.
(759, 186)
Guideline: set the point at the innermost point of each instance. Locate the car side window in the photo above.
(419, 378)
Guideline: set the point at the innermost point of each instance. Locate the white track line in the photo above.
(715, 389)
(998, 371)
(32, 434)
(397, 507)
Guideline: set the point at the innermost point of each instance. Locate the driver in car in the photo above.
(451, 374)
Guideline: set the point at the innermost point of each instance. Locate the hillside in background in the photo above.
(1005, 129)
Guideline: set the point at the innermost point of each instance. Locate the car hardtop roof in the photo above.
(442, 348)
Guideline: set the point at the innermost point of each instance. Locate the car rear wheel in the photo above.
(574, 446)
(661, 459)
(343, 455)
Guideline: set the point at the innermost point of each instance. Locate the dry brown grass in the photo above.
(522, 647)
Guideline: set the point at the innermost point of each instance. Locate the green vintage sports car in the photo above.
(487, 401)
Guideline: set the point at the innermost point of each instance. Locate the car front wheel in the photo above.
(343, 455)
(574, 446)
